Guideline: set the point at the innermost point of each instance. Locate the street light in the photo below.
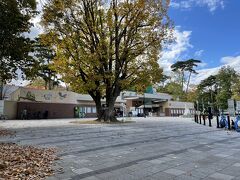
(144, 105)
(197, 106)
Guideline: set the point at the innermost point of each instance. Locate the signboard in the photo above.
(231, 108)
(1, 106)
(238, 105)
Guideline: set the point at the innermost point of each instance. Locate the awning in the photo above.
(146, 106)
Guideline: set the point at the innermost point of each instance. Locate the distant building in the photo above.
(41, 103)
(155, 104)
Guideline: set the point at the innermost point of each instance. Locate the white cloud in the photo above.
(203, 74)
(174, 51)
(36, 29)
(232, 61)
(19, 80)
(199, 53)
(212, 5)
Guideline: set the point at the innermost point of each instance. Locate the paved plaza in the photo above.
(151, 148)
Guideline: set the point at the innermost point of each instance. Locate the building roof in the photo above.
(52, 96)
(154, 97)
(8, 90)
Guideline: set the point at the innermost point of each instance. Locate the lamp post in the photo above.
(144, 105)
(197, 107)
(203, 107)
(123, 105)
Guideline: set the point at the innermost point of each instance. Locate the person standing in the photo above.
(24, 114)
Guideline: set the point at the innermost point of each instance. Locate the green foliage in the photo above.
(219, 88)
(14, 47)
(236, 90)
(37, 82)
(42, 64)
(226, 78)
(106, 47)
(175, 90)
(207, 91)
(191, 96)
(185, 66)
(222, 98)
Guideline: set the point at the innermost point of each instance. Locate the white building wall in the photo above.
(178, 104)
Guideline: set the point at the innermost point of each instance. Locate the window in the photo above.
(94, 110)
(89, 109)
(83, 109)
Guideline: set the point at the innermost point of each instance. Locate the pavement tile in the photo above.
(236, 164)
(186, 177)
(197, 174)
(220, 176)
(175, 172)
(156, 161)
(163, 176)
(91, 178)
(81, 170)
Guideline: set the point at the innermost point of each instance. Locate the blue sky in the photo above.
(208, 30)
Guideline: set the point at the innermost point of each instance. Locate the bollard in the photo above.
(218, 121)
(204, 120)
(229, 122)
(210, 122)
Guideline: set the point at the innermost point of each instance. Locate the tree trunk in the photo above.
(109, 112)
(106, 111)
(182, 81)
(188, 81)
(98, 107)
(1, 92)
(1, 88)
(46, 85)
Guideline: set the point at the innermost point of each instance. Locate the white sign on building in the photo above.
(238, 105)
(1, 107)
(231, 108)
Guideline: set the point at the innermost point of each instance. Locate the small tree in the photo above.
(185, 66)
(41, 64)
(236, 89)
(190, 64)
(226, 79)
(207, 91)
(179, 67)
(174, 89)
(106, 47)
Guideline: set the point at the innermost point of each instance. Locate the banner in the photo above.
(231, 107)
(238, 105)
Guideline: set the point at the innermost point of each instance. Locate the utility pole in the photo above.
(144, 105)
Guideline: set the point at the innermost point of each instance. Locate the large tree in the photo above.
(15, 18)
(104, 47)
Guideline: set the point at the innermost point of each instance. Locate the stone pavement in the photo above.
(151, 148)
